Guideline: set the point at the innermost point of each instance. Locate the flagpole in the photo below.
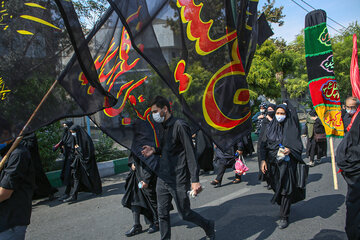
(333, 163)
(20, 137)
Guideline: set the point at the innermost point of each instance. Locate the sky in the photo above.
(342, 11)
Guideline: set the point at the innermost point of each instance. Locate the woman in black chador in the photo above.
(141, 200)
(315, 145)
(84, 169)
(66, 146)
(270, 114)
(284, 133)
(43, 187)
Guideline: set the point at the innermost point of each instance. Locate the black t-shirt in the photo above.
(18, 175)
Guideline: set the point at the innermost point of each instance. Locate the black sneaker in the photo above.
(153, 228)
(311, 163)
(136, 229)
(210, 231)
(63, 197)
(71, 199)
(283, 223)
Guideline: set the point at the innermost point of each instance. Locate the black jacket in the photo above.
(18, 175)
(178, 162)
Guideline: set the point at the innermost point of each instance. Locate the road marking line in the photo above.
(226, 198)
(203, 180)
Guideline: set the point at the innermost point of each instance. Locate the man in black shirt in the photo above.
(16, 189)
(177, 167)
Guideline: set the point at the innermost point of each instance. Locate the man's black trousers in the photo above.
(165, 194)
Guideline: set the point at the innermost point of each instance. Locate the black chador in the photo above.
(288, 186)
(265, 122)
(141, 200)
(204, 151)
(348, 160)
(84, 169)
(43, 187)
(66, 146)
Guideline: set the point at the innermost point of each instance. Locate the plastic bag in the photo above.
(240, 166)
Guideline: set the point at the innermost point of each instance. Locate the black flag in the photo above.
(34, 50)
(200, 51)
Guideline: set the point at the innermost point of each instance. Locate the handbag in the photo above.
(240, 166)
(302, 172)
(320, 137)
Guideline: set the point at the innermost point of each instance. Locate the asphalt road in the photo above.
(241, 211)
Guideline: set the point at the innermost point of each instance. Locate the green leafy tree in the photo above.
(47, 137)
(297, 82)
(261, 77)
(342, 47)
(273, 14)
(104, 150)
(89, 11)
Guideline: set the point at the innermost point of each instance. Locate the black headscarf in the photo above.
(84, 141)
(271, 114)
(287, 132)
(66, 138)
(276, 128)
(273, 106)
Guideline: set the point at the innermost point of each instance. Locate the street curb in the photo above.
(106, 169)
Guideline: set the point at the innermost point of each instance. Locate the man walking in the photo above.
(178, 166)
(348, 160)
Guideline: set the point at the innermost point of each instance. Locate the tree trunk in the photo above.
(280, 78)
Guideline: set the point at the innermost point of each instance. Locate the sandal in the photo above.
(236, 180)
(216, 183)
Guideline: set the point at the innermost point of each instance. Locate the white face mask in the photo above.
(262, 110)
(280, 118)
(74, 134)
(158, 118)
(351, 112)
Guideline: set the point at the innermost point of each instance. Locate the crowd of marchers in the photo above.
(181, 156)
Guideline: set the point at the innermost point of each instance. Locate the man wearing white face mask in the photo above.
(177, 168)
(351, 105)
(348, 160)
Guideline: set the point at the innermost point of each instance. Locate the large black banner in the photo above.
(35, 47)
(201, 50)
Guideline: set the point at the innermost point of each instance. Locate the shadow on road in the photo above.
(327, 234)
(254, 215)
(108, 190)
(314, 177)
